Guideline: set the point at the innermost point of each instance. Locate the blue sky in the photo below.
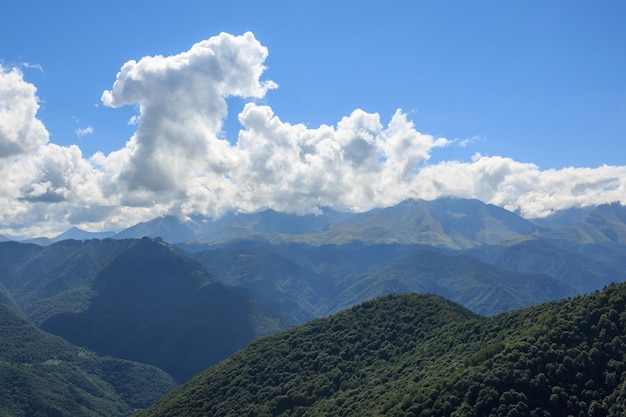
(537, 84)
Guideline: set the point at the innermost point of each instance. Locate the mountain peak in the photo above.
(77, 233)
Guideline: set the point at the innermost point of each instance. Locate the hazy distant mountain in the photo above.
(478, 286)
(303, 282)
(447, 222)
(168, 228)
(79, 234)
(604, 224)
(583, 273)
(452, 223)
(41, 241)
(562, 218)
(266, 222)
(4, 239)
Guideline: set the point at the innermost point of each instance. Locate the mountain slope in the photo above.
(44, 281)
(481, 287)
(600, 235)
(43, 375)
(604, 224)
(452, 223)
(303, 281)
(415, 355)
(153, 305)
(168, 228)
(573, 269)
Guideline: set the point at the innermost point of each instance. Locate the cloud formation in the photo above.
(182, 106)
(20, 130)
(177, 163)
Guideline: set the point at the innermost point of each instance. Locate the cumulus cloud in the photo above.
(177, 163)
(182, 106)
(20, 131)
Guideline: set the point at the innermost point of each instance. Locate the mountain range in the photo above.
(446, 222)
(182, 296)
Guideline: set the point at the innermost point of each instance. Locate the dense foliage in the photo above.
(419, 355)
(43, 375)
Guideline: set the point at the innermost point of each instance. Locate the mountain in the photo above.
(303, 281)
(168, 228)
(604, 224)
(600, 236)
(478, 286)
(48, 280)
(150, 303)
(140, 300)
(576, 270)
(268, 222)
(3, 238)
(279, 276)
(41, 241)
(79, 234)
(43, 375)
(562, 218)
(446, 222)
(417, 355)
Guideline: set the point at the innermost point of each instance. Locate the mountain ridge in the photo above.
(448, 222)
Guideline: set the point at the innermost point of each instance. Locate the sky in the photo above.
(112, 113)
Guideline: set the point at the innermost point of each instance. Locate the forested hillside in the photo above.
(138, 299)
(42, 375)
(420, 355)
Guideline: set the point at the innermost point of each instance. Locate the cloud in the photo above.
(28, 65)
(182, 106)
(80, 132)
(464, 143)
(355, 165)
(20, 131)
(176, 162)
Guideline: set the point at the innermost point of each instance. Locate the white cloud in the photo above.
(80, 132)
(176, 163)
(464, 143)
(20, 131)
(28, 65)
(182, 106)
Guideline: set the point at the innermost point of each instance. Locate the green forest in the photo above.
(42, 375)
(421, 355)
